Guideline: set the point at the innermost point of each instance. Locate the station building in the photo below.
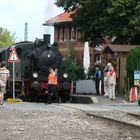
(65, 30)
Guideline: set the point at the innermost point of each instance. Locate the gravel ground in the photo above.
(58, 124)
(121, 116)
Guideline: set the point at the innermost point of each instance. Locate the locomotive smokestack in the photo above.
(47, 39)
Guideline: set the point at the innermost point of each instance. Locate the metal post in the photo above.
(13, 80)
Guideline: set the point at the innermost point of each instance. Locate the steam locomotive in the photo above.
(31, 73)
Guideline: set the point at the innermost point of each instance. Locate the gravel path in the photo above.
(57, 123)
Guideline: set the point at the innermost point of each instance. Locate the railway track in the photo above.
(109, 114)
(61, 121)
(126, 119)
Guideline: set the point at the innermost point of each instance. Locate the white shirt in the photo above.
(112, 78)
(4, 75)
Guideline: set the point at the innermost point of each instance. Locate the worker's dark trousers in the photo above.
(52, 96)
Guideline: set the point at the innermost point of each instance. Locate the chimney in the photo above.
(26, 32)
(47, 39)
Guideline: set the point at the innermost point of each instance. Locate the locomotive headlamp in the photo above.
(49, 55)
(65, 75)
(35, 75)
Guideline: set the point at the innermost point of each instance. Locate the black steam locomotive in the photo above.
(31, 72)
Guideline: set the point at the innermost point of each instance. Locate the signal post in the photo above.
(13, 57)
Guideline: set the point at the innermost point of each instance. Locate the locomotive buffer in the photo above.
(13, 57)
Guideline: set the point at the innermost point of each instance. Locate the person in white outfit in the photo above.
(112, 82)
(106, 80)
(4, 76)
(106, 85)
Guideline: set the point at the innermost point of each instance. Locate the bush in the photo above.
(132, 64)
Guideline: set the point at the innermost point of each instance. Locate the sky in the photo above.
(15, 13)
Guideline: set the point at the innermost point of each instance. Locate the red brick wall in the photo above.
(79, 46)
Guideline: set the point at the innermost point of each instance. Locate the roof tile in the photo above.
(64, 17)
(121, 48)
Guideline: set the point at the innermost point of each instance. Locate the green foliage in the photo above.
(89, 18)
(70, 52)
(74, 69)
(124, 18)
(91, 72)
(98, 18)
(132, 64)
(6, 38)
(68, 5)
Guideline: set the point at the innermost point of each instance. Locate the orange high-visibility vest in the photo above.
(55, 78)
(52, 78)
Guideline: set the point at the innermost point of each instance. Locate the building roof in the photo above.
(119, 48)
(64, 17)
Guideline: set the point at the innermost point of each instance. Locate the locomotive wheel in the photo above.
(32, 96)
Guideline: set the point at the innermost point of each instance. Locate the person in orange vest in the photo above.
(52, 84)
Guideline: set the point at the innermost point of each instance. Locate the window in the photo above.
(58, 33)
(61, 34)
(98, 58)
(66, 34)
(73, 33)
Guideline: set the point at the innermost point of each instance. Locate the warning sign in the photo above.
(13, 56)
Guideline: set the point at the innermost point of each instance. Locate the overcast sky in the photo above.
(15, 13)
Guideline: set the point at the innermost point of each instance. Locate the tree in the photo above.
(6, 38)
(124, 20)
(74, 69)
(90, 15)
(132, 64)
(98, 18)
(68, 5)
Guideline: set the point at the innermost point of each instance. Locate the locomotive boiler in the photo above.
(31, 73)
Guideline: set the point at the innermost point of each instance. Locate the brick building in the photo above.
(64, 31)
(117, 54)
